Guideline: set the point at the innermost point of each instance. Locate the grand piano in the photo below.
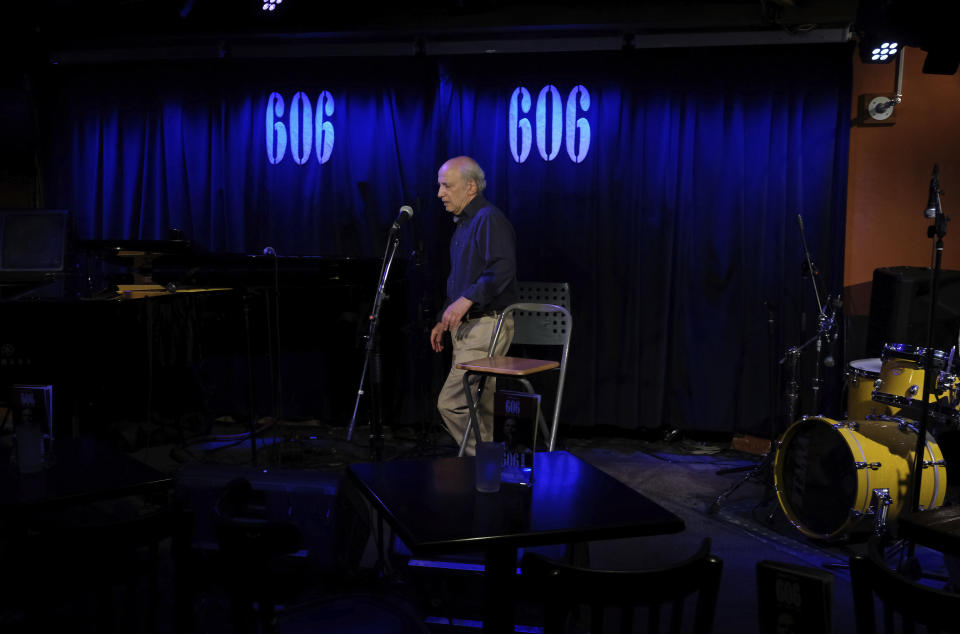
(154, 330)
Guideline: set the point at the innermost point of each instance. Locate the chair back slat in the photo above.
(676, 618)
(653, 618)
(596, 618)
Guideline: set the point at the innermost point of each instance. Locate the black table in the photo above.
(81, 470)
(937, 528)
(434, 508)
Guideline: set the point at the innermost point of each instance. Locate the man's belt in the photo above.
(477, 314)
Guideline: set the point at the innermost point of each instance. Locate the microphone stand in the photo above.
(371, 358)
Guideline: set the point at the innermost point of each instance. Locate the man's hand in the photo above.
(436, 337)
(450, 321)
(454, 314)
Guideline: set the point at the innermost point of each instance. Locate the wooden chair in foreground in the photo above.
(661, 594)
(538, 323)
(906, 604)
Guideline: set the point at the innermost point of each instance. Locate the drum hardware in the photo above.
(904, 424)
(868, 465)
(880, 502)
(880, 505)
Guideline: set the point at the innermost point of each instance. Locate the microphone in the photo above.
(405, 212)
(270, 251)
(931, 210)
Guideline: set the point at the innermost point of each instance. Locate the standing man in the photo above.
(482, 282)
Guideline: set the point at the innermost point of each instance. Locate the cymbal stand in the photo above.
(764, 467)
(825, 325)
(371, 359)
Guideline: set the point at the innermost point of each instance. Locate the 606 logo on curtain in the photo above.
(306, 128)
(554, 126)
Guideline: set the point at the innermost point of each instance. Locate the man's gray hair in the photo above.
(472, 172)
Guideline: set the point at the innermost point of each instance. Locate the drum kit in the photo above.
(836, 477)
(833, 477)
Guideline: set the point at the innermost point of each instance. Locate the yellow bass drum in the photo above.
(826, 471)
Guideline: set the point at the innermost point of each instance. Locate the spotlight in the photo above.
(884, 52)
(879, 42)
(878, 49)
(271, 5)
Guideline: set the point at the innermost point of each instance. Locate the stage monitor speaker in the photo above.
(900, 307)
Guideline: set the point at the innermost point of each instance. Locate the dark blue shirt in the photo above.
(483, 258)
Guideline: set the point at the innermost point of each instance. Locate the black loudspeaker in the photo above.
(900, 307)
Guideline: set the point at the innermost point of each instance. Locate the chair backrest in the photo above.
(661, 594)
(906, 604)
(537, 327)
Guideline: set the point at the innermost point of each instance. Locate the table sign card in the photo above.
(33, 425)
(794, 599)
(515, 424)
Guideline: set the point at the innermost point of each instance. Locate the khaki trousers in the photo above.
(471, 341)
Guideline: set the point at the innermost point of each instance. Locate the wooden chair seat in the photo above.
(508, 366)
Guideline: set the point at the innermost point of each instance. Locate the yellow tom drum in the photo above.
(826, 471)
(901, 382)
(858, 380)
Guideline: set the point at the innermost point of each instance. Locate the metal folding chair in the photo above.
(541, 317)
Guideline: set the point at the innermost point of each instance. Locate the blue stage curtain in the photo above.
(677, 230)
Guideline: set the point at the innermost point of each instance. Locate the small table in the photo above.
(434, 507)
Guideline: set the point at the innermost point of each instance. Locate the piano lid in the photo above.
(238, 270)
(135, 247)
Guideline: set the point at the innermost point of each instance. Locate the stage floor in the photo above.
(304, 460)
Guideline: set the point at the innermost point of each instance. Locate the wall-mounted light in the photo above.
(876, 109)
(271, 5)
(881, 53)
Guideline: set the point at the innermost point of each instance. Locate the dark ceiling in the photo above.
(72, 22)
(74, 30)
